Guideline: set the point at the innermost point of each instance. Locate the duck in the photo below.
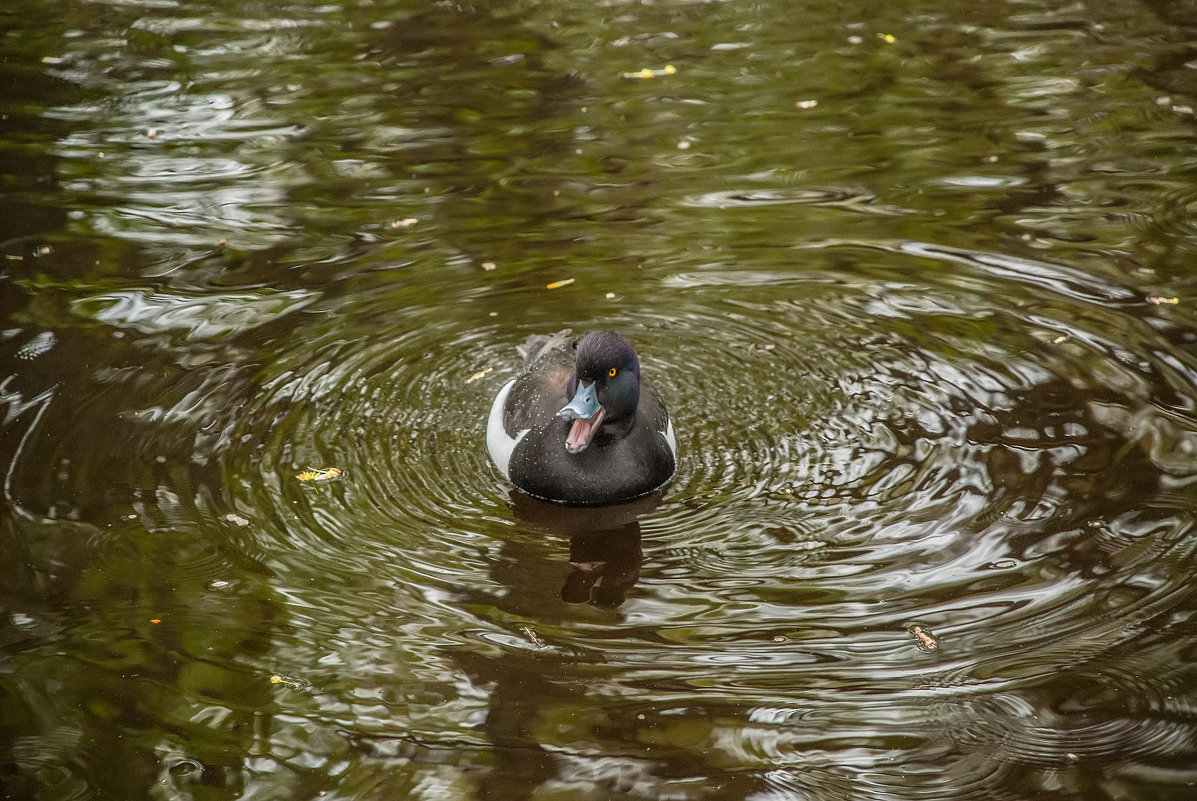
(578, 426)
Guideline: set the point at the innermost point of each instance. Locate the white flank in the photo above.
(498, 444)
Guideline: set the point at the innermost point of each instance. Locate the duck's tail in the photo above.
(537, 345)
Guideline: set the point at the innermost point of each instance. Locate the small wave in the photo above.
(857, 200)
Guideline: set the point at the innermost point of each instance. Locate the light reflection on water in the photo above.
(931, 530)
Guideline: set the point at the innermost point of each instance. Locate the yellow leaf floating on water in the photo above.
(650, 73)
(292, 683)
(559, 284)
(478, 375)
(319, 474)
(1158, 301)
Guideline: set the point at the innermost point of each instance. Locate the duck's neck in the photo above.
(615, 429)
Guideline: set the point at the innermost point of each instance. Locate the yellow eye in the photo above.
(612, 372)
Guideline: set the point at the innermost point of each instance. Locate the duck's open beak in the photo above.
(587, 413)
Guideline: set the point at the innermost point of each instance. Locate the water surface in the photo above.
(915, 281)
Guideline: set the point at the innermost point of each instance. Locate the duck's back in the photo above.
(541, 389)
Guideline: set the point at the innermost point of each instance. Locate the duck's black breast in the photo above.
(611, 470)
(527, 438)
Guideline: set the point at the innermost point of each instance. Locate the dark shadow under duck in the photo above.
(579, 426)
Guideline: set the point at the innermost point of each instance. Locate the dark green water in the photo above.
(892, 266)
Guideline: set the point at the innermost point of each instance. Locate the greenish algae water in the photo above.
(916, 281)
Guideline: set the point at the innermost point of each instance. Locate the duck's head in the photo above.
(605, 387)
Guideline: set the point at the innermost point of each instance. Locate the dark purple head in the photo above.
(605, 388)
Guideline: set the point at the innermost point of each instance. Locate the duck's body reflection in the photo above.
(530, 679)
(604, 545)
(604, 567)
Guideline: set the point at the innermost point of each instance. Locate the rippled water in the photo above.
(915, 282)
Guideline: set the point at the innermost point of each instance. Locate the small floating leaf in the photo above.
(1169, 301)
(926, 640)
(533, 637)
(559, 284)
(650, 73)
(319, 474)
(478, 375)
(294, 684)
